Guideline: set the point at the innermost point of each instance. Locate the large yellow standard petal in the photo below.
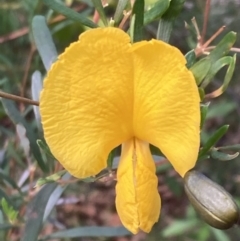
(87, 100)
(137, 201)
(166, 103)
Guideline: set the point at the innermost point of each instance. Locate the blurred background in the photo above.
(81, 204)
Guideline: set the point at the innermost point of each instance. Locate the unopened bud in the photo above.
(215, 205)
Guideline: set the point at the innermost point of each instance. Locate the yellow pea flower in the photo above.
(104, 91)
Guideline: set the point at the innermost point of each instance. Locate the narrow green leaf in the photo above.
(99, 7)
(191, 58)
(5, 206)
(35, 212)
(69, 13)
(9, 211)
(201, 69)
(158, 9)
(55, 196)
(230, 148)
(53, 178)
(220, 156)
(44, 147)
(92, 231)
(119, 10)
(226, 81)
(223, 46)
(229, 73)
(3, 195)
(110, 158)
(204, 110)
(36, 87)
(137, 18)
(164, 30)
(16, 118)
(213, 140)
(43, 40)
(201, 92)
(166, 22)
(216, 56)
(174, 9)
(219, 235)
(179, 227)
(222, 108)
(215, 67)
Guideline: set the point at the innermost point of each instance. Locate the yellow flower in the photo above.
(104, 91)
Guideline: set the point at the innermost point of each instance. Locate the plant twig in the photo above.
(201, 49)
(27, 68)
(126, 15)
(220, 30)
(236, 50)
(23, 31)
(194, 22)
(18, 98)
(205, 21)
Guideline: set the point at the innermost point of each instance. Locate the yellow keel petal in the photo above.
(137, 201)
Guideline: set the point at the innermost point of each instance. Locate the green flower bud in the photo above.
(215, 205)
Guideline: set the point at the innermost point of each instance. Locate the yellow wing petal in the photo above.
(137, 201)
(166, 107)
(86, 103)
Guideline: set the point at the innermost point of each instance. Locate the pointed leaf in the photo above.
(158, 9)
(230, 148)
(137, 21)
(213, 140)
(36, 87)
(69, 13)
(119, 10)
(179, 227)
(110, 159)
(164, 30)
(53, 178)
(166, 22)
(226, 81)
(44, 42)
(201, 92)
(92, 231)
(3, 195)
(201, 69)
(223, 47)
(220, 156)
(35, 212)
(44, 147)
(215, 67)
(99, 7)
(204, 110)
(191, 58)
(219, 235)
(55, 196)
(16, 118)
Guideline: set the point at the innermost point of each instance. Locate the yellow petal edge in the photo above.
(166, 103)
(87, 101)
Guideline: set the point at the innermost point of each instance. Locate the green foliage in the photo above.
(69, 13)
(136, 28)
(9, 211)
(19, 172)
